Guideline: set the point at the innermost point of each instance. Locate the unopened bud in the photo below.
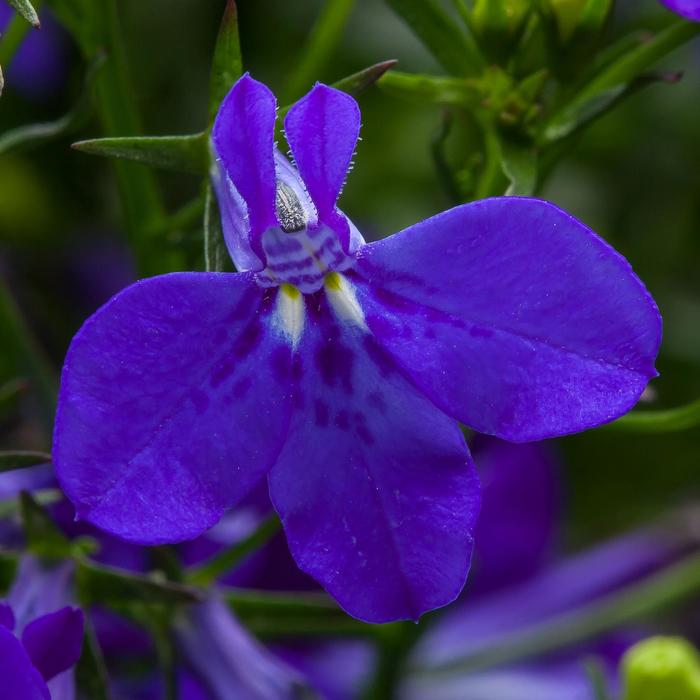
(661, 668)
(499, 23)
(579, 16)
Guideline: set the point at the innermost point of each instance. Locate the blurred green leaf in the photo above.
(665, 421)
(596, 676)
(319, 47)
(27, 357)
(227, 65)
(187, 154)
(44, 497)
(431, 88)
(215, 252)
(26, 9)
(208, 571)
(619, 79)
(43, 535)
(34, 135)
(104, 584)
(8, 570)
(21, 459)
(91, 671)
(519, 164)
(438, 146)
(10, 393)
(449, 42)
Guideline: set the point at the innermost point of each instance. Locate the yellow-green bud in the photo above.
(499, 23)
(661, 668)
(579, 16)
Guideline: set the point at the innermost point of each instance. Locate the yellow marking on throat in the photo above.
(343, 300)
(290, 290)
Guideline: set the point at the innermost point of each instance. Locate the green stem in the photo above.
(491, 179)
(320, 46)
(639, 600)
(667, 421)
(206, 573)
(28, 358)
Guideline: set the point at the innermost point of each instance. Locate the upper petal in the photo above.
(18, 677)
(173, 404)
(685, 8)
(513, 317)
(375, 486)
(54, 641)
(322, 129)
(243, 141)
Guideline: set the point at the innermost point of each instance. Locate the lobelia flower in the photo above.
(340, 369)
(685, 8)
(37, 663)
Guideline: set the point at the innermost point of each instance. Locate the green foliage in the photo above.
(227, 64)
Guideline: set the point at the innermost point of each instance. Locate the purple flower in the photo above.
(685, 8)
(34, 664)
(340, 369)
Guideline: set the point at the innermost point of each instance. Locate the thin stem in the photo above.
(221, 563)
(320, 45)
(651, 595)
(28, 357)
(666, 421)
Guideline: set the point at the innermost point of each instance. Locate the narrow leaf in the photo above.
(43, 536)
(34, 135)
(105, 584)
(21, 459)
(214, 247)
(91, 671)
(451, 45)
(431, 88)
(182, 153)
(356, 83)
(319, 47)
(25, 8)
(227, 65)
(616, 81)
(664, 421)
(207, 572)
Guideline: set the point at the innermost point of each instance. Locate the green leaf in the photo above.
(215, 253)
(596, 676)
(27, 357)
(8, 570)
(91, 670)
(34, 135)
(449, 42)
(10, 392)
(319, 47)
(44, 497)
(104, 584)
(227, 65)
(206, 573)
(519, 164)
(665, 421)
(356, 83)
(187, 154)
(616, 81)
(43, 536)
(431, 88)
(21, 459)
(25, 8)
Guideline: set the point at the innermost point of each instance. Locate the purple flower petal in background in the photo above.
(54, 641)
(518, 523)
(227, 661)
(685, 8)
(38, 69)
(7, 617)
(19, 679)
(341, 368)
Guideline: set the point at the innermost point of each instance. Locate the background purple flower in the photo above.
(686, 8)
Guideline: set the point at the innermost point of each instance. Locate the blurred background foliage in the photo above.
(633, 177)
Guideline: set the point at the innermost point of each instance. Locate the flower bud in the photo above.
(661, 668)
(579, 16)
(499, 23)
